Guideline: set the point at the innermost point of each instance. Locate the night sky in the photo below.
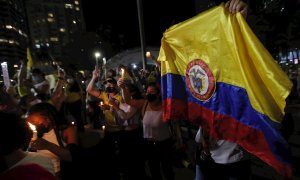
(122, 16)
(159, 15)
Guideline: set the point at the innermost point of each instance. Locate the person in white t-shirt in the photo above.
(14, 136)
(220, 159)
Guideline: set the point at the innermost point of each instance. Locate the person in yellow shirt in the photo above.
(74, 101)
(113, 135)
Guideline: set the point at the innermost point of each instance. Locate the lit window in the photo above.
(54, 39)
(3, 40)
(77, 8)
(8, 27)
(50, 14)
(74, 22)
(37, 46)
(68, 6)
(50, 19)
(76, 2)
(62, 29)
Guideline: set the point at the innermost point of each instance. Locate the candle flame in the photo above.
(122, 72)
(32, 127)
(101, 103)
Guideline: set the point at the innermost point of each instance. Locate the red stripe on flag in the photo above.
(249, 138)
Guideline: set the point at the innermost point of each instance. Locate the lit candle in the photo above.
(122, 72)
(33, 128)
(103, 127)
(104, 60)
(97, 55)
(101, 103)
(148, 54)
(104, 64)
(73, 122)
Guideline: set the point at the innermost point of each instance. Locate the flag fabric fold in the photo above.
(216, 73)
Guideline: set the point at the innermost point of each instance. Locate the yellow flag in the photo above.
(29, 62)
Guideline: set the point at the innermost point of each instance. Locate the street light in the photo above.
(149, 55)
(97, 55)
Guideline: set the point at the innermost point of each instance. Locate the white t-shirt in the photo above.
(33, 157)
(223, 152)
(154, 126)
(130, 115)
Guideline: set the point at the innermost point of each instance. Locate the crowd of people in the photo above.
(137, 143)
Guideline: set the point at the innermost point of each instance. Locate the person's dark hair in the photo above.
(14, 133)
(5, 98)
(75, 87)
(113, 73)
(36, 71)
(48, 110)
(153, 84)
(8, 103)
(135, 90)
(110, 80)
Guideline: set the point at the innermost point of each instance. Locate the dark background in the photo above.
(121, 18)
(276, 23)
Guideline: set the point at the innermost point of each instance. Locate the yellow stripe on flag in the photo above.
(29, 62)
(234, 55)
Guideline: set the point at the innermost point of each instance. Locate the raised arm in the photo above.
(138, 103)
(91, 86)
(123, 115)
(62, 152)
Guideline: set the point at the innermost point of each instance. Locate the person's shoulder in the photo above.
(35, 157)
(70, 129)
(30, 171)
(102, 94)
(40, 159)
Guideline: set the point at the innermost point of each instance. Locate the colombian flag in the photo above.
(216, 73)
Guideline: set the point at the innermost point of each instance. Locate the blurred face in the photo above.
(110, 87)
(152, 94)
(151, 90)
